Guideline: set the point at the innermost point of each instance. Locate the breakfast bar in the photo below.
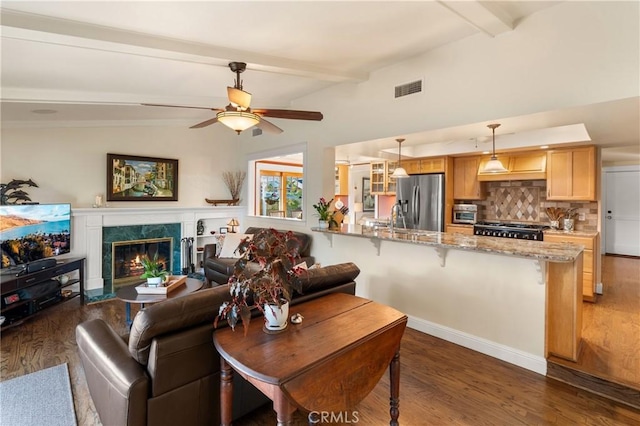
(530, 291)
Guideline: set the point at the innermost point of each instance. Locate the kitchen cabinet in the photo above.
(412, 166)
(342, 180)
(571, 174)
(460, 229)
(590, 263)
(520, 166)
(381, 182)
(465, 179)
(528, 165)
(424, 165)
(432, 165)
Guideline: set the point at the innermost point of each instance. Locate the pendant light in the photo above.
(494, 165)
(399, 172)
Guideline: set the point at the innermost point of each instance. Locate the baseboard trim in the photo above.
(505, 353)
(628, 256)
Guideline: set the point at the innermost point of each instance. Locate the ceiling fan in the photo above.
(239, 116)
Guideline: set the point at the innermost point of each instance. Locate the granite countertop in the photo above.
(552, 252)
(572, 233)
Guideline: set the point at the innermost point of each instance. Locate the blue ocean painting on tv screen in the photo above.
(34, 231)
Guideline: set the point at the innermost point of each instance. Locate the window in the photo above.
(277, 185)
(280, 194)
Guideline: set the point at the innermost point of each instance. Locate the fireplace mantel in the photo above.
(87, 224)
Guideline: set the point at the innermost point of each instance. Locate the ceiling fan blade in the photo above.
(182, 106)
(205, 123)
(239, 97)
(290, 114)
(268, 126)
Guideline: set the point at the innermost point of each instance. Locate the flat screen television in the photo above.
(30, 232)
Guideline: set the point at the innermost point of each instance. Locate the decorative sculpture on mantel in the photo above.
(10, 193)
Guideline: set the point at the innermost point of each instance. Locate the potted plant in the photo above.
(264, 277)
(154, 270)
(325, 216)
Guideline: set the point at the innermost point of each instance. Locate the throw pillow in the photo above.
(219, 242)
(231, 242)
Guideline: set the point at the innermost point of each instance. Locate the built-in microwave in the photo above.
(465, 213)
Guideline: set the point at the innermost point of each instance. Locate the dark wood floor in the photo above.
(441, 383)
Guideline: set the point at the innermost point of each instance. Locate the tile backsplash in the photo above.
(526, 202)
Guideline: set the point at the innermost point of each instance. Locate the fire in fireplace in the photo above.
(126, 258)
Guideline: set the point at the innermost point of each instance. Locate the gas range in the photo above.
(509, 230)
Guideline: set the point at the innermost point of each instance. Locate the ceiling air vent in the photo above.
(409, 88)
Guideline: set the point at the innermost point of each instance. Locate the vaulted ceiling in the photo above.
(111, 56)
(98, 61)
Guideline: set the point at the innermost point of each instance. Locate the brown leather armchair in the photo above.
(217, 270)
(168, 372)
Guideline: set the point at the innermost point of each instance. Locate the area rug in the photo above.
(40, 398)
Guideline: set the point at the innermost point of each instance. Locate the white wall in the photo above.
(69, 164)
(494, 304)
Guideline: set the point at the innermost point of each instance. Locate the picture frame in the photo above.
(368, 200)
(136, 178)
(223, 230)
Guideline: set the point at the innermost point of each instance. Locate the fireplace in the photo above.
(95, 229)
(126, 258)
(132, 234)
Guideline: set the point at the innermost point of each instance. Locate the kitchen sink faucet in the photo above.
(398, 208)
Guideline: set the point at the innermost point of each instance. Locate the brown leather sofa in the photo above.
(167, 371)
(217, 270)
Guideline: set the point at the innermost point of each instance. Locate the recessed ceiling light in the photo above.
(544, 147)
(486, 152)
(44, 111)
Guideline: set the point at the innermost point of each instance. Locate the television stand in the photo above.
(23, 295)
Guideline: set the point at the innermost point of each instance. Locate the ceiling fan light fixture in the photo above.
(399, 172)
(238, 120)
(494, 165)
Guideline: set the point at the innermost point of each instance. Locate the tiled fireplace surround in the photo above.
(88, 224)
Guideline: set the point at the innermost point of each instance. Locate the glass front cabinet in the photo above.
(381, 182)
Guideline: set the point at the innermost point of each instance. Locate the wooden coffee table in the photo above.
(327, 364)
(130, 295)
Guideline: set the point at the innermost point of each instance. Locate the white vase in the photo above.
(323, 224)
(154, 281)
(275, 317)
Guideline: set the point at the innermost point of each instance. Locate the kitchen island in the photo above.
(516, 300)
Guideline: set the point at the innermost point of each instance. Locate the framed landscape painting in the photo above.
(133, 178)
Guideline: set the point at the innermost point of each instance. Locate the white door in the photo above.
(622, 211)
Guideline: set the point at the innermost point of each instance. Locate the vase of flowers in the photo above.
(325, 216)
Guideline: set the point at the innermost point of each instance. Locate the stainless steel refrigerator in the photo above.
(422, 201)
